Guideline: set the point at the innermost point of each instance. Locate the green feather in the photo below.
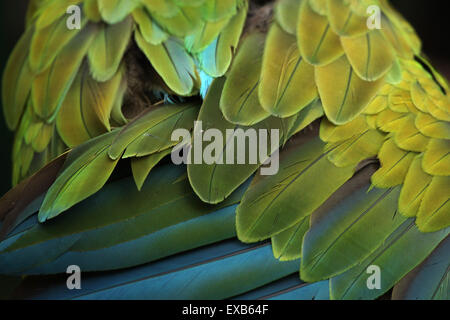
(394, 165)
(396, 38)
(342, 234)
(33, 129)
(435, 206)
(370, 55)
(48, 42)
(87, 107)
(164, 8)
(86, 171)
(408, 137)
(239, 101)
(151, 132)
(431, 127)
(394, 76)
(114, 11)
(50, 87)
(142, 166)
(184, 23)
(151, 225)
(356, 149)
(436, 158)
(420, 97)
(43, 137)
(172, 63)
(319, 6)
(429, 280)
(204, 35)
(91, 10)
(286, 14)
(107, 49)
(287, 245)
(216, 58)
(344, 21)
(305, 117)
(274, 203)
(214, 10)
(287, 81)
(391, 259)
(330, 132)
(52, 11)
(389, 121)
(193, 3)
(214, 182)
(151, 32)
(399, 100)
(318, 43)
(16, 81)
(414, 188)
(344, 95)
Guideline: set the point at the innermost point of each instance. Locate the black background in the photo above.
(429, 18)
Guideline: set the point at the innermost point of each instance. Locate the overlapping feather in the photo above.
(318, 59)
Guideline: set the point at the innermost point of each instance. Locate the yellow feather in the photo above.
(390, 121)
(330, 132)
(370, 55)
(436, 159)
(431, 127)
(287, 81)
(286, 14)
(239, 101)
(344, 21)
(318, 43)
(344, 95)
(414, 188)
(360, 147)
(394, 165)
(435, 207)
(408, 137)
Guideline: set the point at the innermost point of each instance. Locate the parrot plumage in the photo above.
(364, 163)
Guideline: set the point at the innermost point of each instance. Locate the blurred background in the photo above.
(429, 18)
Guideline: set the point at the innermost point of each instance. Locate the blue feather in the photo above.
(218, 278)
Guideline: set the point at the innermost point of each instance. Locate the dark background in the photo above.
(429, 18)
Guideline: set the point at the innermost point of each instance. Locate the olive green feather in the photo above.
(151, 32)
(370, 55)
(344, 21)
(114, 11)
(395, 163)
(48, 42)
(344, 95)
(275, 203)
(318, 43)
(287, 245)
(50, 87)
(17, 80)
(286, 14)
(436, 159)
(214, 182)
(287, 84)
(342, 236)
(414, 188)
(216, 58)
(172, 63)
(85, 172)
(142, 166)
(239, 101)
(151, 131)
(107, 50)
